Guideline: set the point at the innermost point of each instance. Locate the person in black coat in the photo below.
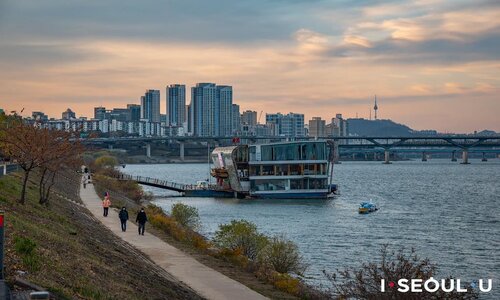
(123, 215)
(141, 220)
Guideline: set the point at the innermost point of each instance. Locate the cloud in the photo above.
(319, 57)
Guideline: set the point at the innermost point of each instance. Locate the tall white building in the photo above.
(176, 104)
(211, 110)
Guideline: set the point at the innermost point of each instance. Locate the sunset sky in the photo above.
(433, 64)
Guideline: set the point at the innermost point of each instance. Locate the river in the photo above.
(447, 211)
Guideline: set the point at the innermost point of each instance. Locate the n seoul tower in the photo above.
(375, 107)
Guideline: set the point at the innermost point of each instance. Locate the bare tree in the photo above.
(63, 151)
(20, 141)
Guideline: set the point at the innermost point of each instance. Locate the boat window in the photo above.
(295, 170)
(267, 170)
(269, 185)
(253, 156)
(282, 170)
(254, 170)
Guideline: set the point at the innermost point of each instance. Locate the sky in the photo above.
(433, 64)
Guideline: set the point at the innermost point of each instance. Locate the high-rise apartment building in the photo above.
(249, 117)
(134, 112)
(224, 114)
(150, 106)
(236, 119)
(211, 110)
(290, 125)
(176, 104)
(317, 127)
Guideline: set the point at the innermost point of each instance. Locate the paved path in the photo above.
(205, 281)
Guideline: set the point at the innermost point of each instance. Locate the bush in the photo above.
(106, 161)
(282, 256)
(364, 283)
(241, 234)
(186, 215)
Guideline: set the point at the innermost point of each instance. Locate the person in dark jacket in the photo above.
(141, 220)
(123, 215)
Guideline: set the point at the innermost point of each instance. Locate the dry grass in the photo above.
(64, 249)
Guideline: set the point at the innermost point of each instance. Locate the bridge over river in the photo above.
(351, 144)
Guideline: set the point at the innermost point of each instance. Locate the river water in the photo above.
(447, 211)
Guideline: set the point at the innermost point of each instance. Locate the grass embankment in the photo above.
(62, 248)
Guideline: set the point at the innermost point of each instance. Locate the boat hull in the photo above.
(209, 194)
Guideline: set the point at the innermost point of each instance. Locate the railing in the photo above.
(179, 187)
(154, 181)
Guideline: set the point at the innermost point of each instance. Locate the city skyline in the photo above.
(432, 64)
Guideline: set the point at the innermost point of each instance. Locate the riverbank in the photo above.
(224, 266)
(64, 249)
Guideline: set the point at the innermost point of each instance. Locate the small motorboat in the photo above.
(367, 207)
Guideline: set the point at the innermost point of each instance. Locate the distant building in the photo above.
(134, 112)
(236, 119)
(317, 127)
(68, 114)
(176, 104)
(338, 127)
(289, 125)
(99, 113)
(150, 106)
(39, 116)
(119, 114)
(249, 117)
(210, 111)
(224, 114)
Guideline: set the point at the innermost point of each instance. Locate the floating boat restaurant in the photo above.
(284, 170)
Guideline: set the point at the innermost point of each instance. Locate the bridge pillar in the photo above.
(465, 156)
(424, 156)
(148, 150)
(336, 153)
(453, 158)
(181, 150)
(386, 156)
(110, 146)
(354, 156)
(366, 156)
(484, 157)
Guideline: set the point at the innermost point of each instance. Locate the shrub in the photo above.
(282, 256)
(106, 161)
(286, 283)
(364, 283)
(241, 234)
(186, 215)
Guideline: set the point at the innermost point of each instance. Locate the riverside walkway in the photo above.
(205, 281)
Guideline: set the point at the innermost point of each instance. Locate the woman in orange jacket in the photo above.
(106, 203)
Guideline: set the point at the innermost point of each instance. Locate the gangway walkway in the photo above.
(205, 281)
(164, 184)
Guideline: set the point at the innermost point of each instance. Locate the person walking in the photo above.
(123, 215)
(84, 182)
(106, 203)
(141, 221)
